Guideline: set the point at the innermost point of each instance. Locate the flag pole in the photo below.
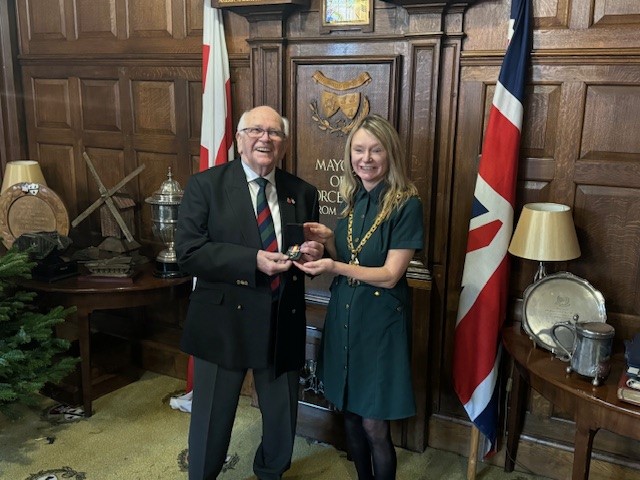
(473, 452)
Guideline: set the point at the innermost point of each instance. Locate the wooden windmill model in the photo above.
(110, 200)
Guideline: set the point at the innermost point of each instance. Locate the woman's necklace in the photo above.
(355, 251)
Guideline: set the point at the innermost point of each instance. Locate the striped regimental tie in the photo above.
(267, 229)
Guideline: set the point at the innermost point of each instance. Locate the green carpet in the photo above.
(135, 435)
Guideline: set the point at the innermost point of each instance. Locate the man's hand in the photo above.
(272, 263)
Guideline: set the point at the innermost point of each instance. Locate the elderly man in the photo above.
(248, 307)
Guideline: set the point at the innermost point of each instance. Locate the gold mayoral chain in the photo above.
(355, 251)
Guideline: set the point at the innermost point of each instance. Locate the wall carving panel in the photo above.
(47, 19)
(620, 12)
(153, 108)
(607, 108)
(561, 25)
(100, 100)
(96, 19)
(67, 27)
(52, 108)
(150, 18)
(552, 14)
(540, 128)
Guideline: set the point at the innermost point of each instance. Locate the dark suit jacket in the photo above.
(229, 317)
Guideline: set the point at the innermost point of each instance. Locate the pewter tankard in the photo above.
(590, 353)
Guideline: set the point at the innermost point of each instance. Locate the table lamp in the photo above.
(22, 171)
(545, 232)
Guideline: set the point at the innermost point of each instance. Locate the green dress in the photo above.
(364, 360)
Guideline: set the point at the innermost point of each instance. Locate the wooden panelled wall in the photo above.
(121, 80)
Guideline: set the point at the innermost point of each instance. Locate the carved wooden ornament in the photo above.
(353, 106)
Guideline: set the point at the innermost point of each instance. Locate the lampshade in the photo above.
(22, 171)
(545, 232)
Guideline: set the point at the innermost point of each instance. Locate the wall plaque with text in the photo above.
(30, 208)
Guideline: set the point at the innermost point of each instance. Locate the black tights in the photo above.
(370, 447)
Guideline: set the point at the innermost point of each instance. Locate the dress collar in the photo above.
(375, 195)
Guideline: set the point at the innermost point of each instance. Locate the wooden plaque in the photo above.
(31, 208)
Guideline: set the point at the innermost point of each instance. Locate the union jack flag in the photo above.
(483, 298)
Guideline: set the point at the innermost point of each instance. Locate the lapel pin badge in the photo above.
(291, 201)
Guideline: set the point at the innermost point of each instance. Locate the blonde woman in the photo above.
(365, 355)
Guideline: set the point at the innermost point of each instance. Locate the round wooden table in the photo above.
(90, 295)
(592, 407)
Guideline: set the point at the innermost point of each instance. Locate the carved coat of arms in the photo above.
(339, 112)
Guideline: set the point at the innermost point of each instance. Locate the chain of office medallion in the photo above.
(355, 251)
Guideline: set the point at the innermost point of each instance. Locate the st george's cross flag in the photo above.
(482, 307)
(216, 136)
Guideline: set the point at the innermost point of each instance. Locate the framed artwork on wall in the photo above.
(347, 15)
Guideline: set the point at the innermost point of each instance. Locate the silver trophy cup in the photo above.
(164, 215)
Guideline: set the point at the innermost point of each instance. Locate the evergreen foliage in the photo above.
(30, 355)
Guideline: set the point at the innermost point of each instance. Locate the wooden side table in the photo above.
(89, 296)
(592, 407)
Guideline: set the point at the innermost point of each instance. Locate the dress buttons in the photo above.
(357, 239)
(293, 311)
(347, 306)
(295, 278)
(239, 307)
(377, 293)
(398, 309)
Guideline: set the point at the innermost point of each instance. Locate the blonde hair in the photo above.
(400, 188)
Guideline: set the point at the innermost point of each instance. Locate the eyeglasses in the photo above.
(257, 132)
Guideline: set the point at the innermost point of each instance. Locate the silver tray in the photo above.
(559, 297)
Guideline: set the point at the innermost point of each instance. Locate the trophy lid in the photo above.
(169, 192)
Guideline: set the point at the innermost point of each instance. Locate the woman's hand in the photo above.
(317, 232)
(324, 265)
(322, 234)
(311, 250)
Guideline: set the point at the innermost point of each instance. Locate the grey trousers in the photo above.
(216, 393)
